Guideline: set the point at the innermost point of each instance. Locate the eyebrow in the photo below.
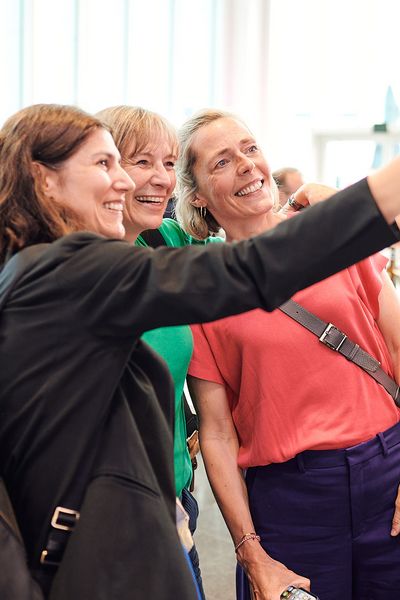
(107, 154)
(140, 153)
(104, 153)
(225, 150)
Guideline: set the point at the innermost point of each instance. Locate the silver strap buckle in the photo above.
(333, 337)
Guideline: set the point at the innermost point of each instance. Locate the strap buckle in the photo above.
(64, 518)
(48, 559)
(333, 337)
(396, 397)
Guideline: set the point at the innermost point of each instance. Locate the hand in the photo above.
(268, 577)
(307, 195)
(396, 517)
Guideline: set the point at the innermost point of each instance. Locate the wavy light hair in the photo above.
(48, 134)
(189, 216)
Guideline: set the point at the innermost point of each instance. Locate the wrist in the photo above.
(247, 538)
(252, 555)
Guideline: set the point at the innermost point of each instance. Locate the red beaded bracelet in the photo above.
(247, 536)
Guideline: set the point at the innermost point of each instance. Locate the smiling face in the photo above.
(232, 175)
(92, 184)
(153, 171)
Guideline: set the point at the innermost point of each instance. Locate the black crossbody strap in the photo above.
(153, 238)
(333, 338)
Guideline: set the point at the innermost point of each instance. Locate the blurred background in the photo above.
(316, 80)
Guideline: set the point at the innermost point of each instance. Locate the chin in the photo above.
(153, 223)
(116, 233)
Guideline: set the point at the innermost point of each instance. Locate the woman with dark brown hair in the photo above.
(87, 410)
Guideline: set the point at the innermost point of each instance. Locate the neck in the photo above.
(244, 229)
(131, 232)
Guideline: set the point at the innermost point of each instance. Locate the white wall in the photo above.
(287, 67)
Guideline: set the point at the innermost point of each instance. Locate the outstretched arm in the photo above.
(383, 183)
(385, 188)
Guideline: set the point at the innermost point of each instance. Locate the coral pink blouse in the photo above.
(287, 391)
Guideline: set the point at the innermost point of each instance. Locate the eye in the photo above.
(221, 163)
(252, 148)
(104, 162)
(142, 162)
(170, 164)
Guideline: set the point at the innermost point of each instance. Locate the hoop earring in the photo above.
(203, 212)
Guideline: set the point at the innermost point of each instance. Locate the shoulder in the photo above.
(85, 257)
(173, 233)
(86, 244)
(49, 255)
(214, 240)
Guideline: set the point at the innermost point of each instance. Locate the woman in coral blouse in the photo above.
(302, 447)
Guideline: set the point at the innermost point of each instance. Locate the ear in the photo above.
(47, 179)
(198, 201)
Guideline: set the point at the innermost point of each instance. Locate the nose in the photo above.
(122, 181)
(246, 165)
(160, 176)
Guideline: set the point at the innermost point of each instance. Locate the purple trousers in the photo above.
(327, 516)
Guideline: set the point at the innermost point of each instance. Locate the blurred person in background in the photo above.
(288, 180)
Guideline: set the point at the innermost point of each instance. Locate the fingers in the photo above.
(302, 582)
(294, 204)
(308, 194)
(396, 517)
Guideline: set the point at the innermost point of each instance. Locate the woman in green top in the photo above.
(149, 147)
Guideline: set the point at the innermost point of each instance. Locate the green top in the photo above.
(175, 346)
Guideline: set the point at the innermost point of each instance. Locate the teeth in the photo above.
(153, 199)
(250, 189)
(114, 206)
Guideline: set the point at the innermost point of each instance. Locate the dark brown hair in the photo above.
(47, 134)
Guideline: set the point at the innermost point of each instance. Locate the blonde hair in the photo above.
(134, 128)
(191, 218)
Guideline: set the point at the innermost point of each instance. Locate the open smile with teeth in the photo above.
(254, 187)
(150, 199)
(114, 206)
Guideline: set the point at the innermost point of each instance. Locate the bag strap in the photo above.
(192, 422)
(153, 238)
(333, 338)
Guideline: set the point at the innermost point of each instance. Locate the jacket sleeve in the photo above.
(120, 290)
